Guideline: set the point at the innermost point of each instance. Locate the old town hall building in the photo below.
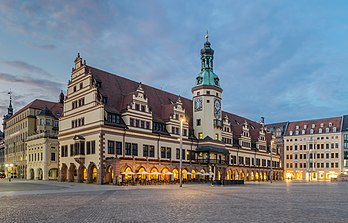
(113, 130)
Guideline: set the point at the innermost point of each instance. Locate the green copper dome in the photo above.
(207, 77)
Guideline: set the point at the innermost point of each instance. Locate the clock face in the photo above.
(217, 109)
(198, 104)
(217, 105)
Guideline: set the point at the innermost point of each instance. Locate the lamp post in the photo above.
(271, 151)
(9, 171)
(181, 129)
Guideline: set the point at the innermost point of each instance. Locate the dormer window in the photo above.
(290, 133)
(330, 124)
(98, 84)
(327, 130)
(105, 100)
(311, 131)
(297, 127)
(321, 125)
(303, 132)
(137, 107)
(305, 126)
(334, 129)
(313, 126)
(296, 132)
(320, 130)
(143, 108)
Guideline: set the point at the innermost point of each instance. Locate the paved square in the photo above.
(253, 202)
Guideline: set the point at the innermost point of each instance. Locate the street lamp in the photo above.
(181, 129)
(9, 170)
(271, 154)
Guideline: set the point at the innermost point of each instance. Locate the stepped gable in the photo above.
(336, 122)
(119, 92)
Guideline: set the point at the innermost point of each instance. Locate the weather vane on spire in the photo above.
(207, 35)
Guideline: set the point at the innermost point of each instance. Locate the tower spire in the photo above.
(207, 76)
(10, 109)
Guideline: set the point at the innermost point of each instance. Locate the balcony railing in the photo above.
(212, 161)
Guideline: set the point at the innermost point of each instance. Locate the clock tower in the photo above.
(207, 96)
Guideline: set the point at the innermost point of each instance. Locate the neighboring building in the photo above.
(313, 149)
(278, 130)
(42, 147)
(2, 152)
(112, 126)
(344, 130)
(18, 127)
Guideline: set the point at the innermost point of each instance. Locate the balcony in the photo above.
(218, 123)
(212, 161)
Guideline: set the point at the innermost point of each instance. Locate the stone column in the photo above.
(45, 162)
(36, 174)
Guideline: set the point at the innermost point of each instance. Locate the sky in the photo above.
(283, 60)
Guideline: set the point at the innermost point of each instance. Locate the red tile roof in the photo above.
(55, 107)
(335, 121)
(119, 90)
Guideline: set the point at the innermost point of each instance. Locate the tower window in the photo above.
(217, 94)
(208, 92)
(208, 101)
(200, 135)
(198, 122)
(198, 93)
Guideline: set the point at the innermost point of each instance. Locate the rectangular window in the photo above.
(233, 160)
(163, 152)
(169, 153)
(177, 153)
(128, 149)
(183, 154)
(145, 150)
(263, 162)
(152, 151)
(241, 160)
(198, 122)
(111, 147)
(53, 156)
(119, 148)
(131, 121)
(93, 147)
(72, 150)
(134, 149)
(88, 147)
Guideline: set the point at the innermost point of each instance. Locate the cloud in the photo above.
(21, 65)
(47, 85)
(43, 46)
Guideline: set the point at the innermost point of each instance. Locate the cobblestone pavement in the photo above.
(253, 202)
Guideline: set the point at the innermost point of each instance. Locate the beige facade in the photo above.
(42, 148)
(18, 128)
(313, 149)
(115, 130)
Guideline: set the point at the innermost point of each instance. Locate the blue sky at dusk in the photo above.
(284, 60)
